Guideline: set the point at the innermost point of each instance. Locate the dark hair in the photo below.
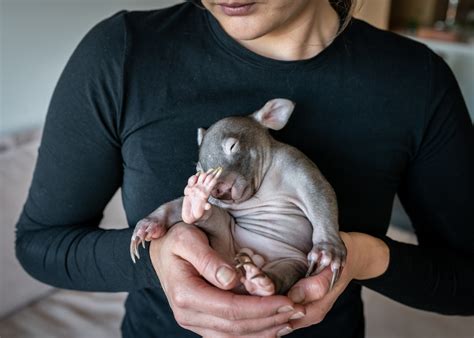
(345, 9)
(342, 7)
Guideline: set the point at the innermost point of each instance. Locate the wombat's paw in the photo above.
(327, 254)
(256, 282)
(145, 230)
(197, 193)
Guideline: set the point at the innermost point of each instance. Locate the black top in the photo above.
(378, 113)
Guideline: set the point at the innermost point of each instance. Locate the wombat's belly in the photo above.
(275, 232)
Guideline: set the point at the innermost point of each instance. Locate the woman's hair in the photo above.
(345, 9)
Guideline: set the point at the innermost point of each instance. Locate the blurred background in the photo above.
(36, 39)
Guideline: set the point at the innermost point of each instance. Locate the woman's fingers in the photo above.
(317, 298)
(227, 305)
(191, 244)
(197, 304)
(191, 248)
(204, 321)
(277, 331)
(312, 288)
(184, 260)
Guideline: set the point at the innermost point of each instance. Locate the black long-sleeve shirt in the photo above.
(378, 113)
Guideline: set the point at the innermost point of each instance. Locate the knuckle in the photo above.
(184, 234)
(180, 229)
(318, 288)
(230, 314)
(181, 233)
(234, 329)
(179, 299)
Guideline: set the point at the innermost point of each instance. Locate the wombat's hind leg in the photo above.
(256, 282)
(285, 273)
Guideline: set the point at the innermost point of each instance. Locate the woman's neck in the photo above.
(302, 38)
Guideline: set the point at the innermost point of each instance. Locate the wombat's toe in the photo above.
(256, 282)
(327, 254)
(145, 230)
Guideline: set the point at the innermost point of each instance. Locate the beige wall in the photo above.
(376, 12)
(421, 12)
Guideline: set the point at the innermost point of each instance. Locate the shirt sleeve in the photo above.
(79, 168)
(437, 192)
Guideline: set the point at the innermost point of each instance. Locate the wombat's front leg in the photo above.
(155, 225)
(320, 205)
(328, 247)
(214, 221)
(195, 205)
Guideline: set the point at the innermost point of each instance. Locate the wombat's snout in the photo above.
(222, 191)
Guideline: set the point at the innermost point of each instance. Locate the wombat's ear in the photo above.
(201, 133)
(274, 114)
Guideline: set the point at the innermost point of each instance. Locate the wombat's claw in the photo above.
(145, 230)
(134, 249)
(335, 273)
(241, 259)
(335, 277)
(259, 275)
(326, 254)
(312, 263)
(134, 244)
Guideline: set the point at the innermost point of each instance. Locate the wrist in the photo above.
(371, 255)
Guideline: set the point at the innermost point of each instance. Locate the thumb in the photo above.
(194, 247)
(312, 288)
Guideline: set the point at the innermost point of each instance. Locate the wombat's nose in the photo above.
(222, 191)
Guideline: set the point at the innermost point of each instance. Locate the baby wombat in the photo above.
(263, 204)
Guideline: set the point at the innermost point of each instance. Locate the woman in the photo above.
(379, 114)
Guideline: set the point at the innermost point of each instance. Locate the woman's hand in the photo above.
(367, 257)
(183, 261)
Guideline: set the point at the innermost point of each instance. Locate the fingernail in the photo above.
(286, 308)
(297, 315)
(284, 331)
(225, 275)
(296, 295)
